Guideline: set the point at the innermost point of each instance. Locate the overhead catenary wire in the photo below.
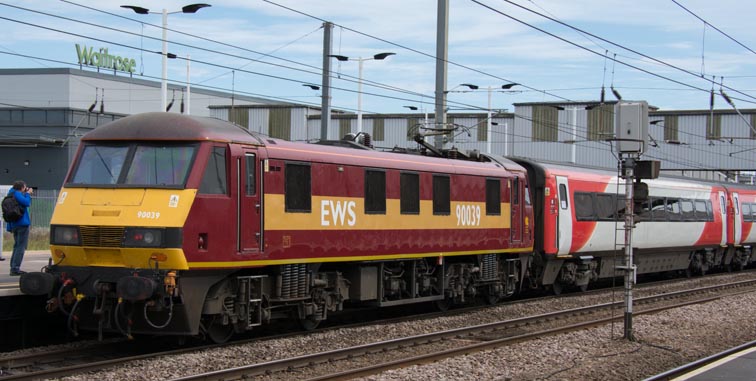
(607, 41)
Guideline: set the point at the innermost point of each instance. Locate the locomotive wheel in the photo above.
(557, 288)
(217, 332)
(491, 298)
(584, 288)
(309, 323)
(443, 305)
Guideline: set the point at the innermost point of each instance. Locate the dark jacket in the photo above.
(24, 199)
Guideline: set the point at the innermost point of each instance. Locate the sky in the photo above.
(271, 48)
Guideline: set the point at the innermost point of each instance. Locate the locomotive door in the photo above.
(723, 212)
(250, 207)
(738, 225)
(564, 217)
(514, 202)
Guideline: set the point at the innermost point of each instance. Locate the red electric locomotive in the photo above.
(170, 224)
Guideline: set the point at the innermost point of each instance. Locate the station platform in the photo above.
(736, 364)
(33, 261)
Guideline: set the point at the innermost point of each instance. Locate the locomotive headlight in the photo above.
(65, 235)
(143, 237)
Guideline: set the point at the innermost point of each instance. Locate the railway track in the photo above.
(364, 360)
(97, 356)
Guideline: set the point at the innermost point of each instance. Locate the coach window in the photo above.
(214, 179)
(606, 206)
(409, 187)
(658, 211)
(747, 212)
(701, 213)
(375, 192)
(584, 207)
(688, 214)
(298, 191)
(441, 195)
(563, 196)
(673, 209)
(493, 197)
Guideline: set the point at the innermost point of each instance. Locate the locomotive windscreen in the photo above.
(143, 165)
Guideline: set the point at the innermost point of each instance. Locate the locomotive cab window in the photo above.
(135, 165)
(409, 184)
(441, 195)
(375, 192)
(214, 179)
(493, 197)
(298, 188)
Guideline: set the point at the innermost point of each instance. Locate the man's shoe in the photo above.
(2, 259)
(17, 273)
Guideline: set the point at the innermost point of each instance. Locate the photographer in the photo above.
(20, 228)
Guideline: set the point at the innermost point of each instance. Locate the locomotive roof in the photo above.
(169, 126)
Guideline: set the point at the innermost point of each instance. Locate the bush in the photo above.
(39, 239)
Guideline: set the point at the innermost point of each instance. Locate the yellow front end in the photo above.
(104, 215)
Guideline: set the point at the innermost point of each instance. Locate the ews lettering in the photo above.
(336, 212)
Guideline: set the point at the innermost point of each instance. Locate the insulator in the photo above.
(453, 153)
(368, 140)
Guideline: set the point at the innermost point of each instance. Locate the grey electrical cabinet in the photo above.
(631, 123)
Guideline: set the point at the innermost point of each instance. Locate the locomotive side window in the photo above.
(441, 195)
(516, 191)
(375, 192)
(298, 188)
(493, 197)
(251, 167)
(527, 195)
(409, 185)
(563, 196)
(584, 207)
(214, 179)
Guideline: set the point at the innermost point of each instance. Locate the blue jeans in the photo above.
(21, 239)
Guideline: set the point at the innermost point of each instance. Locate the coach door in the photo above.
(564, 217)
(250, 210)
(723, 211)
(737, 227)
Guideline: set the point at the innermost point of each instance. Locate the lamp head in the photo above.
(193, 8)
(139, 10)
(413, 108)
(509, 86)
(339, 57)
(314, 87)
(471, 86)
(381, 56)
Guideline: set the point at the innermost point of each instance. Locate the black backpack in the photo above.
(12, 211)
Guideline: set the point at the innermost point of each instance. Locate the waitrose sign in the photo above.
(101, 59)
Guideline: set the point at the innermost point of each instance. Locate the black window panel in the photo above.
(493, 197)
(409, 184)
(688, 211)
(709, 211)
(214, 178)
(606, 206)
(441, 195)
(375, 192)
(251, 169)
(298, 188)
(584, 210)
(644, 214)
